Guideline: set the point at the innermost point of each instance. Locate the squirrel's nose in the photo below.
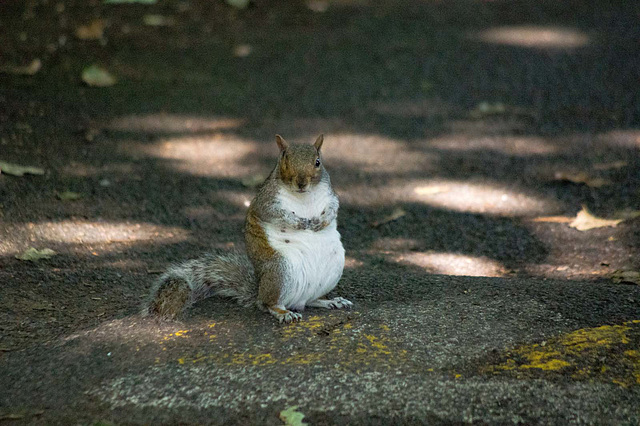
(301, 184)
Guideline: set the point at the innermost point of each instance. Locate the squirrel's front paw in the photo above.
(284, 315)
(318, 225)
(335, 303)
(304, 224)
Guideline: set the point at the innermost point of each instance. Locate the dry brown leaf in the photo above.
(581, 177)
(585, 220)
(396, 214)
(626, 277)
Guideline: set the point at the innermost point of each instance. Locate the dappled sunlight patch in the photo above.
(470, 197)
(620, 138)
(518, 146)
(85, 232)
(534, 36)
(171, 123)
(486, 197)
(212, 155)
(375, 154)
(452, 264)
(352, 263)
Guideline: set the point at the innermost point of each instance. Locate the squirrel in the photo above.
(294, 252)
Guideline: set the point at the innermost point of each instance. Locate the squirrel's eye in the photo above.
(317, 162)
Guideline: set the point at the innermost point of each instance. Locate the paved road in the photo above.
(482, 127)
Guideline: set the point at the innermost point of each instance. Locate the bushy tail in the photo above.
(229, 274)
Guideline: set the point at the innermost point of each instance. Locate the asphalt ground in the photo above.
(462, 138)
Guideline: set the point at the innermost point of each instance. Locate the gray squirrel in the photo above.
(294, 253)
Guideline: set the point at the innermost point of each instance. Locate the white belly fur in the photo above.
(313, 260)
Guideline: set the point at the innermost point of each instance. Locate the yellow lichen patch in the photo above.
(553, 364)
(340, 346)
(377, 344)
(311, 324)
(609, 353)
(543, 359)
(587, 338)
(171, 336)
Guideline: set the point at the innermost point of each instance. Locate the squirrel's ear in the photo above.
(282, 144)
(318, 142)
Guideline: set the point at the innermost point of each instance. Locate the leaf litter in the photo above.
(96, 76)
(585, 220)
(18, 170)
(33, 254)
(31, 69)
(292, 417)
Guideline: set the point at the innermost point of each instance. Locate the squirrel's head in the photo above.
(300, 166)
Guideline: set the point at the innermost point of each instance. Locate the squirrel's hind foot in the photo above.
(335, 303)
(284, 315)
(171, 298)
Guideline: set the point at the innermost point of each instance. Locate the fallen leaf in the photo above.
(97, 77)
(396, 214)
(581, 177)
(253, 180)
(30, 69)
(240, 4)
(17, 170)
(292, 417)
(585, 220)
(430, 190)
(68, 196)
(33, 254)
(626, 277)
(130, 1)
(158, 21)
(610, 166)
(94, 30)
(552, 219)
